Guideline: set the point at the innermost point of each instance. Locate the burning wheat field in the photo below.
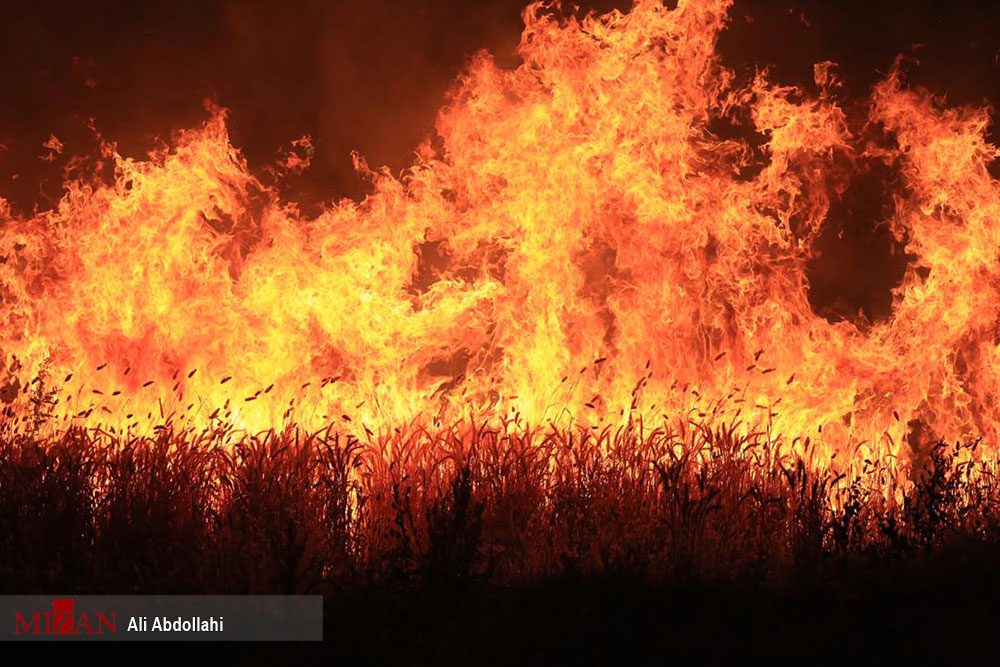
(640, 336)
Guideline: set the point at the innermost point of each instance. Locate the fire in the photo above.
(576, 245)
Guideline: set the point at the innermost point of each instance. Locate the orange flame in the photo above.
(576, 244)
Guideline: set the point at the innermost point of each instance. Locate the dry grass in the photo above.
(217, 511)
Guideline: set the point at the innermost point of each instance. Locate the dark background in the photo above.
(369, 76)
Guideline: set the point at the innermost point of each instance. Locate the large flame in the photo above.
(575, 244)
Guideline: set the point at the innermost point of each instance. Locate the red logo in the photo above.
(63, 621)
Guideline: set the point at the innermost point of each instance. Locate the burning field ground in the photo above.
(638, 338)
(519, 544)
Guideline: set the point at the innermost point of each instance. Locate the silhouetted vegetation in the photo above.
(401, 528)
